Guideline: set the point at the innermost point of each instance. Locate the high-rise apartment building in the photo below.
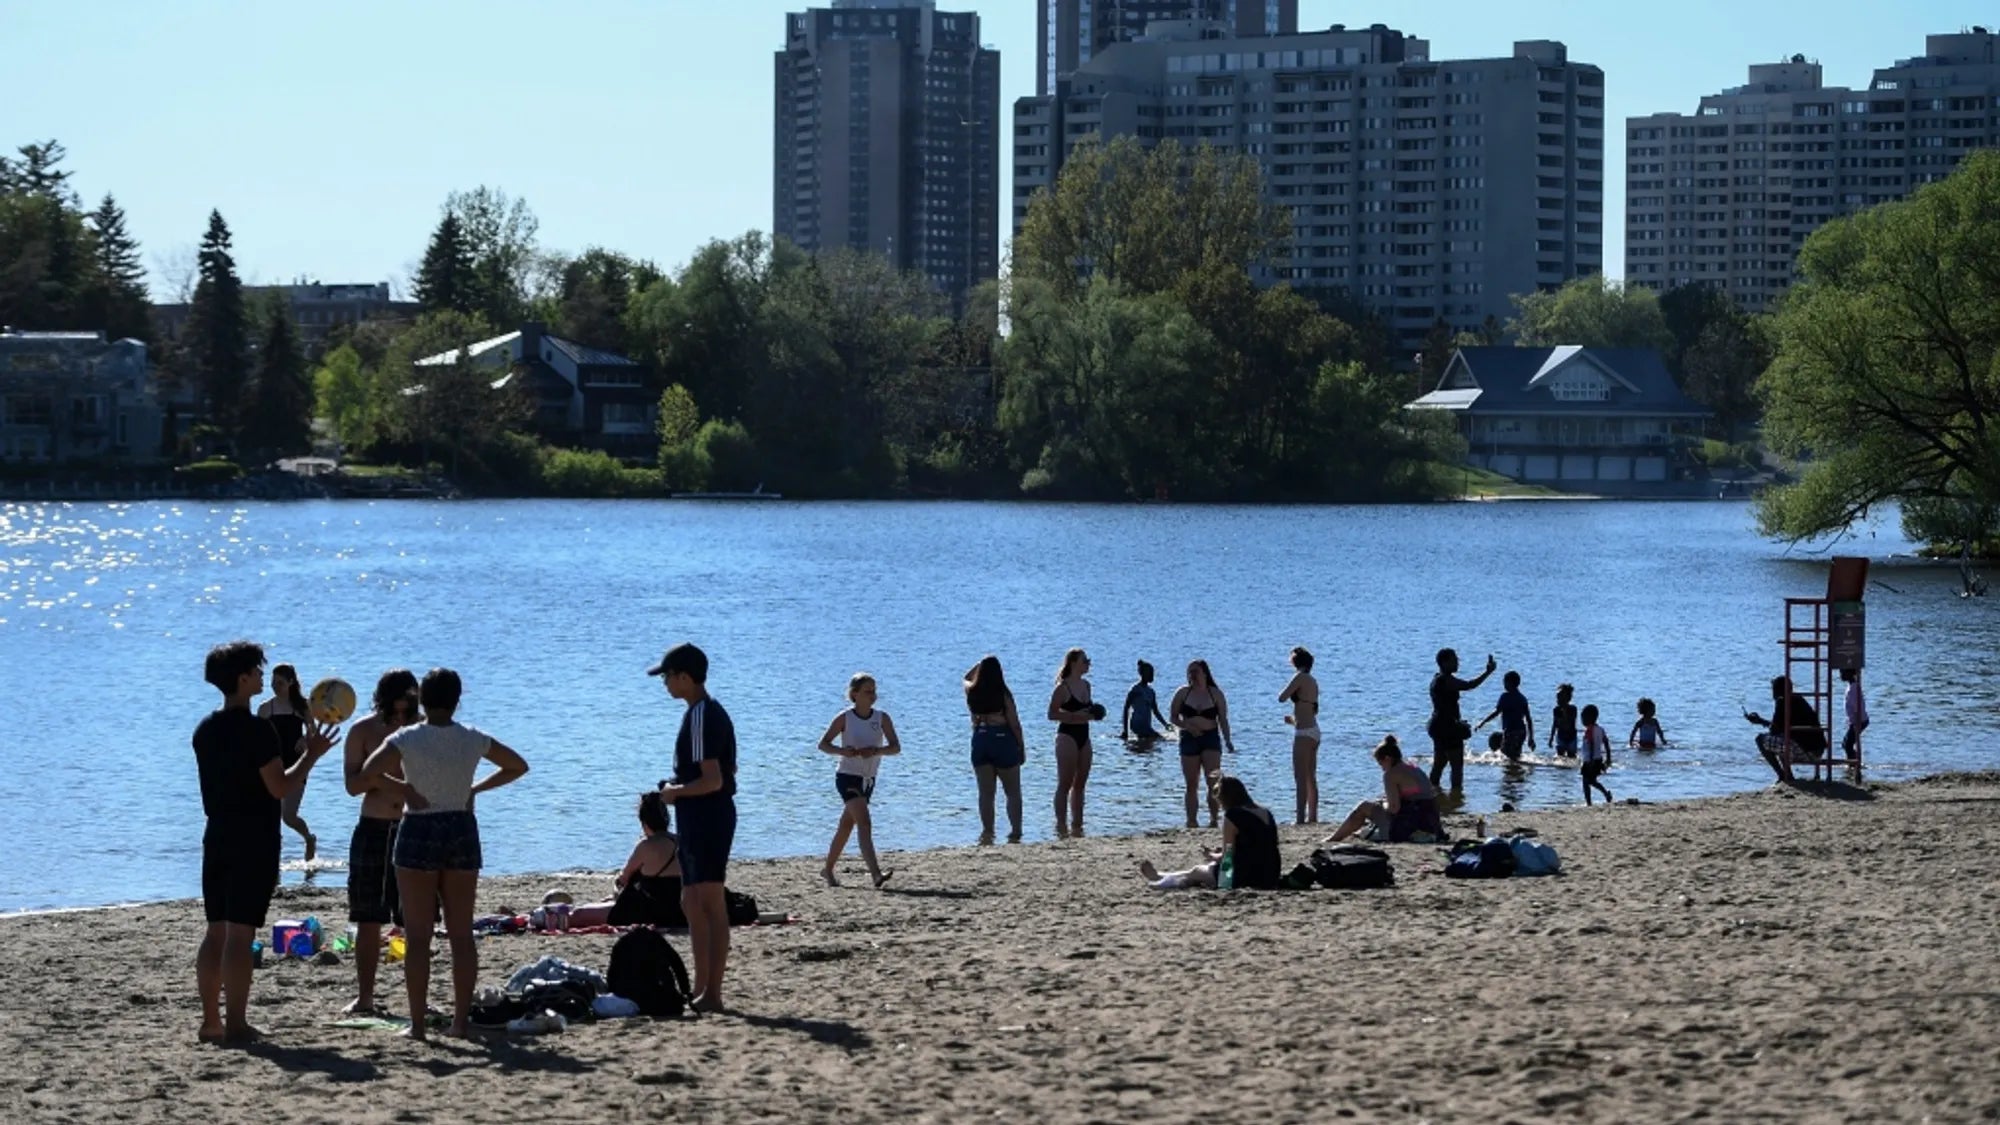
(1426, 188)
(1072, 32)
(1724, 197)
(888, 137)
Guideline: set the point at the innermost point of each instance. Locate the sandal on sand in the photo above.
(357, 1007)
(884, 877)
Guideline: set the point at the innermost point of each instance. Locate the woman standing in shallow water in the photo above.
(1201, 713)
(997, 746)
(287, 710)
(1072, 711)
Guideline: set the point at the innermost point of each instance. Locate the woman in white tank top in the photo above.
(866, 737)
(437, 844)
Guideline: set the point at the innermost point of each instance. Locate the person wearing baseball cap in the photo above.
(703, 791)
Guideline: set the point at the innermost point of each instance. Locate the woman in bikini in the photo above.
(649, 888)
(1201, 713)
(998, 748)
(1303, 694)
(287, 710)
(1072, 711)
(1408, 805)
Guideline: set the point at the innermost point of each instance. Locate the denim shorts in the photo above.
(442, 841)
(996, 747)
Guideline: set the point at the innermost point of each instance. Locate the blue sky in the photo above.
(328, 134)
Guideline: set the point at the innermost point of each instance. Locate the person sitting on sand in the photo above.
(1798, 737)
(649, 888)
(1408, 805)
(1249, 848)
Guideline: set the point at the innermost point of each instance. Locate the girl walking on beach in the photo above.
(1201, 712)
(1072, 711)
(866, 736)
(1303, 694)
(437, 846)
(1596, 755)
(287, 710)
(997, 746)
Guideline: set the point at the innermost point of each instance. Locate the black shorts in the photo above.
(1511, 743)
(1195, 745)
(1592, 771)
(851, 786)
(708, 831)
(239, 870)
(371, 873)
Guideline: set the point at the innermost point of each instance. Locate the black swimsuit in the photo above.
(291, 729)
(1078, 733)
(649, 900)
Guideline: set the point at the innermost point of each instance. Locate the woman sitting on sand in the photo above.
(1249, 848)
(1408, 805)
(649, 889)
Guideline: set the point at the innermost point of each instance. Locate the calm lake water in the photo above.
(553, 610)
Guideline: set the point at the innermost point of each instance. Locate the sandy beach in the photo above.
(1779, 956)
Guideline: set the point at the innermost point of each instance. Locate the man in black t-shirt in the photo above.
(243, 784)
(703, 792)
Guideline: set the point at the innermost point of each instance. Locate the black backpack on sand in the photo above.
(646, 970)
(1353, 868)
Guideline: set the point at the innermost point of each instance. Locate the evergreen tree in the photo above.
(218, 330)
(118, 300)
(446, 281)
(281, 418)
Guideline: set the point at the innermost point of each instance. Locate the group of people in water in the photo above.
(416, 839)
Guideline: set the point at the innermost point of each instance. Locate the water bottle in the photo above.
(1479, 829)
(1226, 879)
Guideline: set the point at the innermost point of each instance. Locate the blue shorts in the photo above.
(441, 841)
(996, 747)
(708, 831)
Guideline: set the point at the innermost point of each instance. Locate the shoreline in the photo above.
(1457, 821)
(1766, 956)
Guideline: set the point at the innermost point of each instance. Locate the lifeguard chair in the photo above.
(1823, 637)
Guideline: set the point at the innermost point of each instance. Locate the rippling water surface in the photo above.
(553, 610)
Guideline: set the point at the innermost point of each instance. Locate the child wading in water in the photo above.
(866, 736)
(1596, 755)
(1562, 722)
(1647, 734)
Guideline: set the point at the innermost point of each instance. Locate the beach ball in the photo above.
(332, 700)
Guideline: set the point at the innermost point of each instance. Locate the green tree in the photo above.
(702, 328)
(1146, 218)
(594, 294)
(117, 299)
(1716, 354)
(217, 336)
(446, 281)
(499, 235)
(1886, 372)
(440, 402)
(1591, 312)
(281, 419)
(344, 395)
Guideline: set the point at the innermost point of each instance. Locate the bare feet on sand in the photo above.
(884, 877)
(1147, 869)
(706, 1005)
(827, 874)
